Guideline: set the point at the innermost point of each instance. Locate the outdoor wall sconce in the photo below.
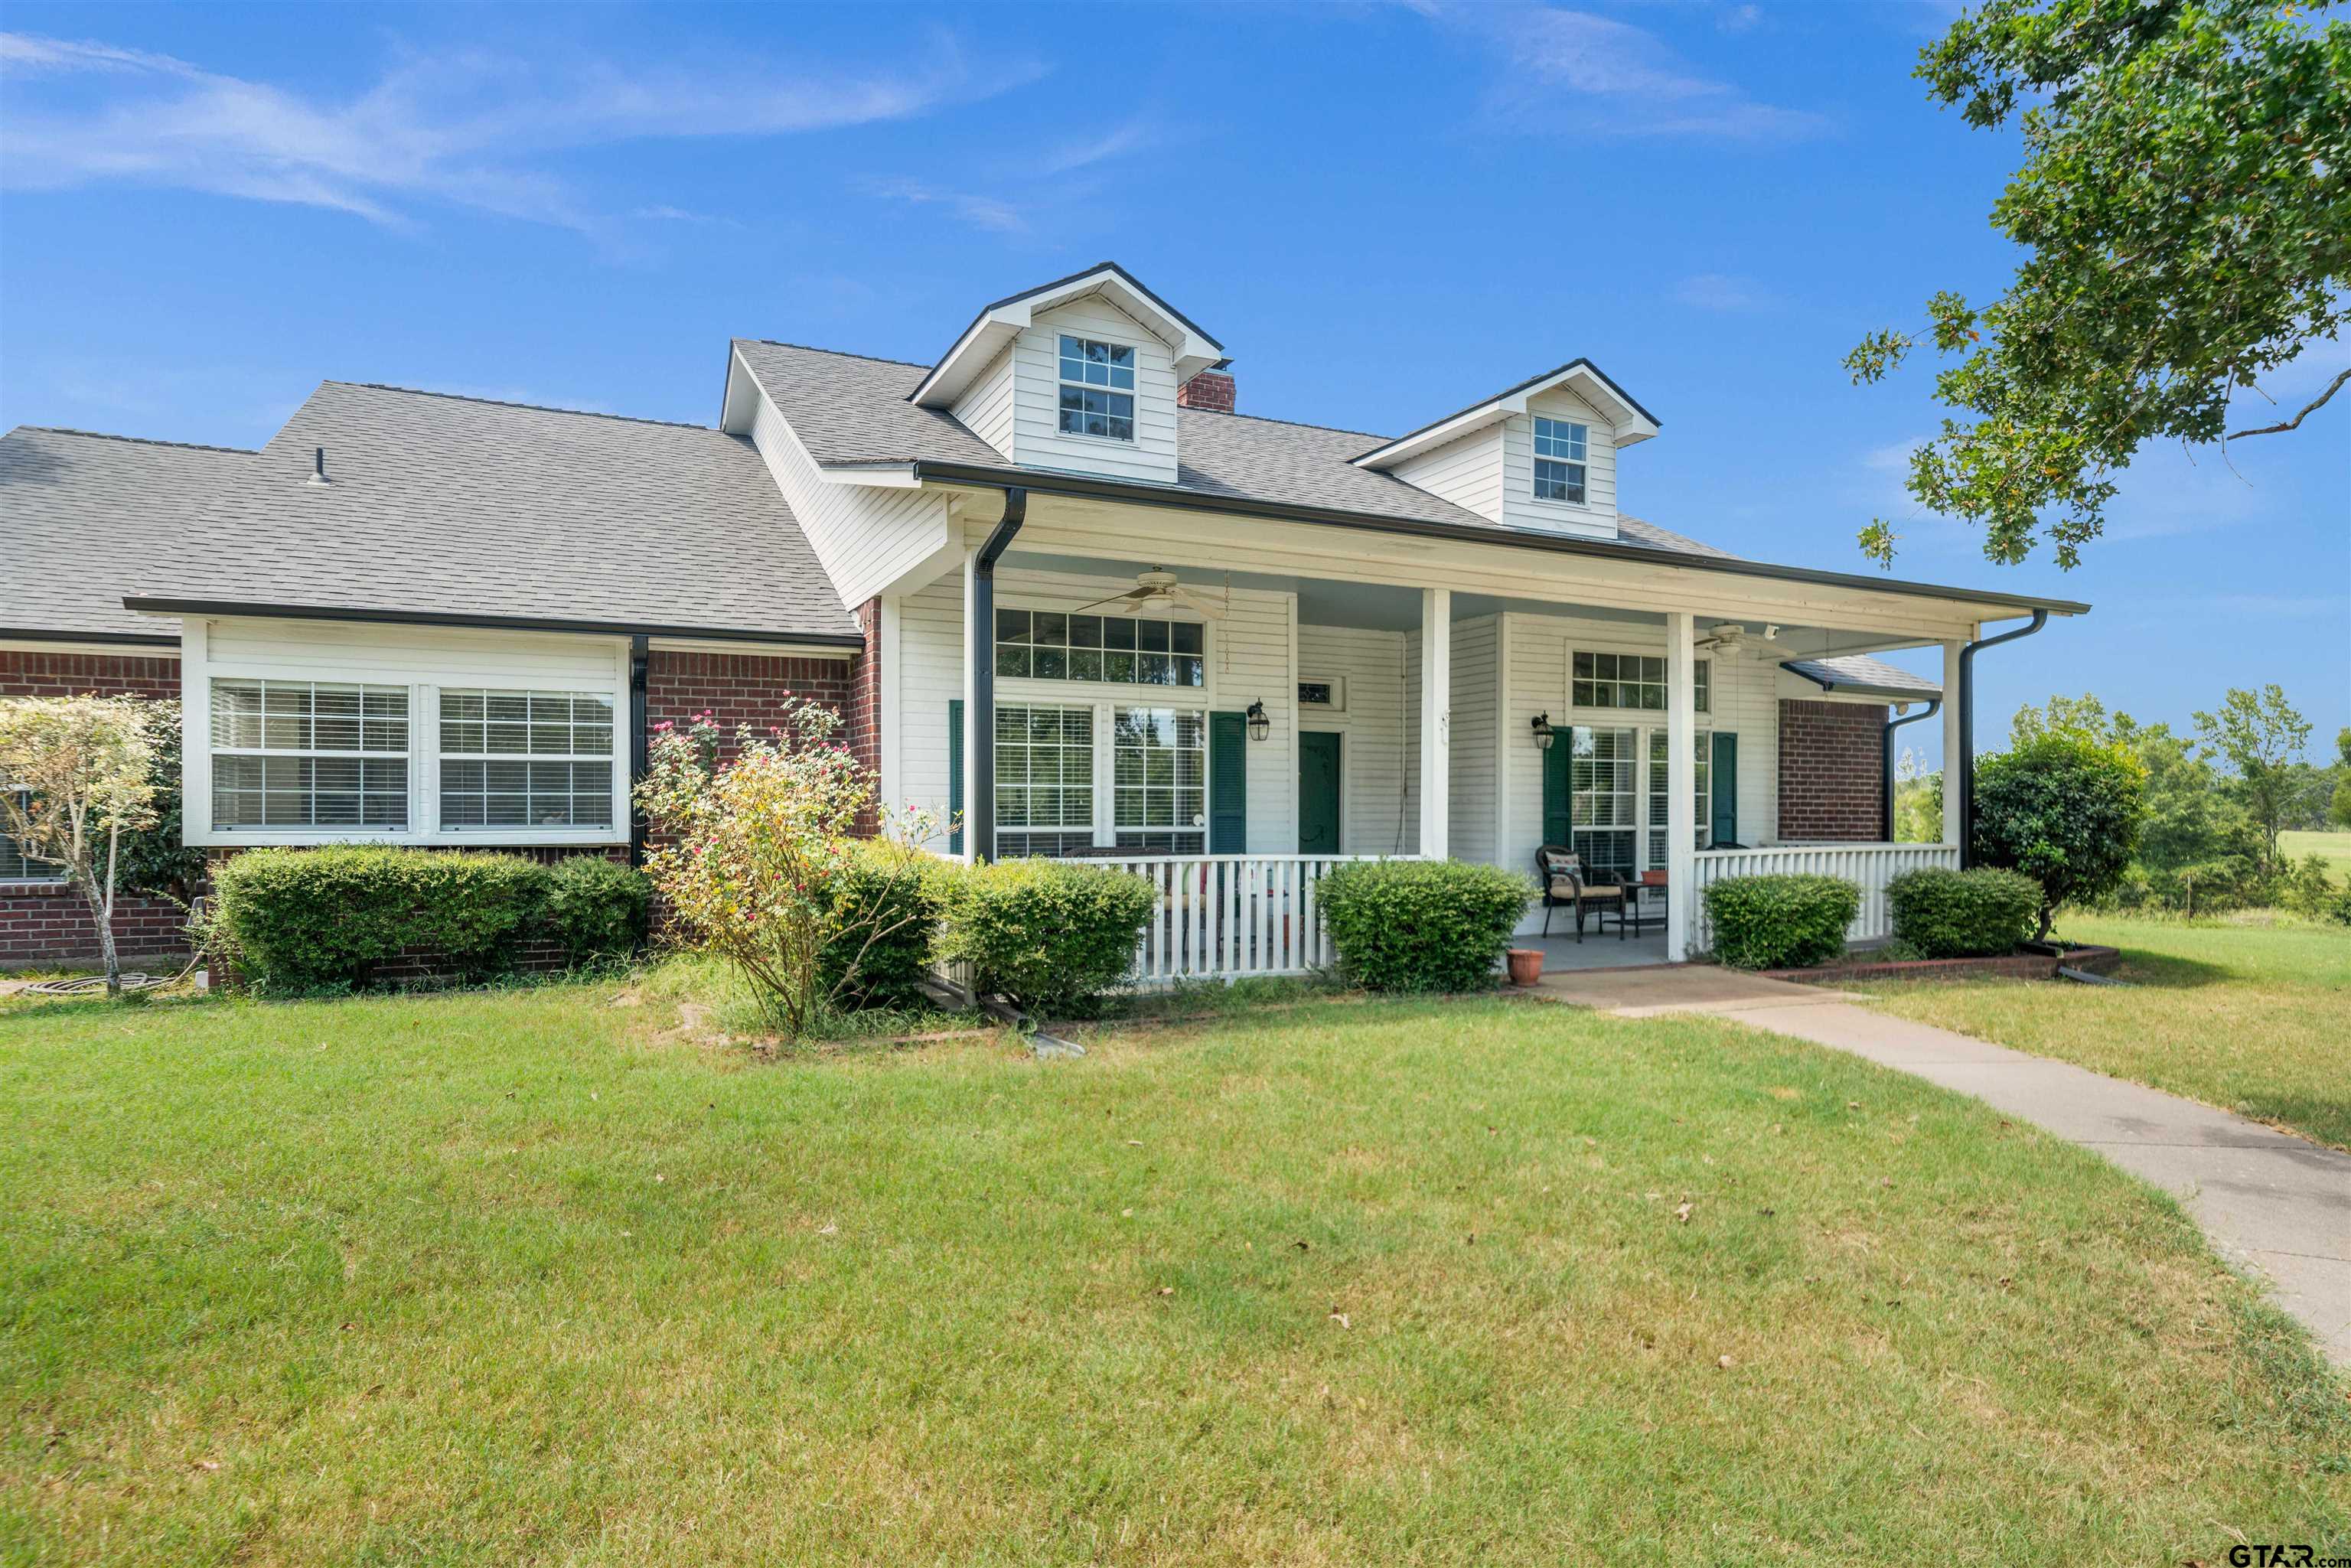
(1259, 726)
(1541, 725)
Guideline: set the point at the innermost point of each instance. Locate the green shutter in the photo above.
(1556, 759)
(1228, 784)
(1723, 779)
(955, 775)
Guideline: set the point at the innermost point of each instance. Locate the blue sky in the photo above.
(1384, 210)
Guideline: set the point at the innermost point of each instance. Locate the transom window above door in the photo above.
(1560, 453)
(1097, 388)
(1118, 650)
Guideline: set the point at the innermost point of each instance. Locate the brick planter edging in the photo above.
(2007, 965)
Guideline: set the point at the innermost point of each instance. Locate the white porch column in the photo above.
(1681, 785)
(1952, 742)
(1436, 719)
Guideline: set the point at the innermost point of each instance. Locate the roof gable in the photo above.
(998, 324)
(1629, 419)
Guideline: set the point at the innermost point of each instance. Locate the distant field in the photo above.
(2335, 846)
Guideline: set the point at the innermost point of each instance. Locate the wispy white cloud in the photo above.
(1576, 72)
(1726, 292)
(1740, 18)
(459, 128)
(1013, 199)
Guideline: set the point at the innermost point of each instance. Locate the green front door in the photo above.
(1318, 793)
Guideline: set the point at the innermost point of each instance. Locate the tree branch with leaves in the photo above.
(76, 775)
(2185, 200)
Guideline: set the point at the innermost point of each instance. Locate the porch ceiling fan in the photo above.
(1159, 586)
(1726, 637)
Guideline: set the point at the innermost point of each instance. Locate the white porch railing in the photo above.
(1225, 916)
(1870, 867)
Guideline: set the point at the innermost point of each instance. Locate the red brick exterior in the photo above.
(1212, 390)
(44, 923)
(1832, 772)
(745, 688)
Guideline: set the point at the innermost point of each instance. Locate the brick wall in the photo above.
(46, 923)
(745, 688)
(1832, 772)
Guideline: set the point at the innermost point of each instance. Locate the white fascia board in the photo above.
(1629, 424)
(983, 339)
(874, 475)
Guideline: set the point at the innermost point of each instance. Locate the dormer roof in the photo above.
(1630, 421)
(1193, 349)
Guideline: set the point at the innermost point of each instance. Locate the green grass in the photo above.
(2334, 848)
(540, 1276)
(2252, 1015)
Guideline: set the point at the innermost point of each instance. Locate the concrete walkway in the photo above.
(2277, 1205)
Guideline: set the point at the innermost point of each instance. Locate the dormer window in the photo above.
(1560, 449)
(1097, 388)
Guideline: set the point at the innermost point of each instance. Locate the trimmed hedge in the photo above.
(1780, 922)
(1045, 933)
(1421, 926)
(596, 908)
(906, 891)
(324, 919)
(1974, 913)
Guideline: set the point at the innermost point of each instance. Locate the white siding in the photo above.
(1249, 661)
(1037, 438)
(423, 660)
(1744, 702)
(1467, 473)
(866, 536)
(987, 404)
(1373, 818)
(1477, 645)
(1597, 517)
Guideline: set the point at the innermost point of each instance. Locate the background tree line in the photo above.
(2217, 799)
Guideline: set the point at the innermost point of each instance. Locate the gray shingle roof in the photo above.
(447, 505)
(846, 408)
(87, 518)
(1859, 670)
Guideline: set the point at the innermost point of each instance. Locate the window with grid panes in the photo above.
(1097, 388)
(526, 759)
(309, 754)
(1044, 779)
(1160, 759)
(1602, 779)
(1559, 450)
(1046, 645)
(1702, 791)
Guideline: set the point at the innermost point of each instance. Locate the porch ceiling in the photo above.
(1383, 607)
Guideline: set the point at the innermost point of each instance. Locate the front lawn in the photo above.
(2253, 1017)
(2335, 849)
(543, 1277)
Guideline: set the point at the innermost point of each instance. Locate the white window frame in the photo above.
(1338, 703)
(1129, 392)
(486, 833)
(425, 667)
(31, 875)
(1068, 686)
(1537, 457)
(1701, 681)
(1654, 826)
(1105, 828)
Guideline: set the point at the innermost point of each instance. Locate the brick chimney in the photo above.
(1211, 390)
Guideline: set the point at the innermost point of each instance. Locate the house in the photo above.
(1060, 588)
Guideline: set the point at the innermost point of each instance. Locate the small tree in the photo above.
(2064, 811)
(2262, 738)
(760, 863)
(79, 773)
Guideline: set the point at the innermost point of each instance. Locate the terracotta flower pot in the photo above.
(1525, 966)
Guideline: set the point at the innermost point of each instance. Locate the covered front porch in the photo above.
(1236, 739)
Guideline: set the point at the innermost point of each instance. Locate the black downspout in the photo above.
(979, 648)
(1886, 757)
(640, 657)
(1967, 759)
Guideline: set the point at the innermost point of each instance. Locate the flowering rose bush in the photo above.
(760, 862)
